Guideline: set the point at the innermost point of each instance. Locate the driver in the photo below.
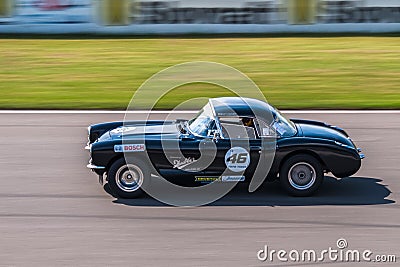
(248, 122)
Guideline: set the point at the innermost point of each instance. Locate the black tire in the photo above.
(301, 175)
(127, 180)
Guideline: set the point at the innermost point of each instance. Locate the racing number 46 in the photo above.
(238, 158)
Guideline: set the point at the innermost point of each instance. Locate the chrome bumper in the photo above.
(362, 156)
(88, 146)
(94, 167)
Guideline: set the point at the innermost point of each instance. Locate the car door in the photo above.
(177, 159)
(238, 151)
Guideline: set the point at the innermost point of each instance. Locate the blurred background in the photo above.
(94, 54)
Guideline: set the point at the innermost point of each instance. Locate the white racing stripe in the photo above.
(190, 112)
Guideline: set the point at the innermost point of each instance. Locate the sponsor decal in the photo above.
(129, 148)
(232, 178)
(180, 164)
(207, 179)
(124, 129)
(210, 179)
(237, 159)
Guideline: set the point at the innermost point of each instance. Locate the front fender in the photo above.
(340, 161)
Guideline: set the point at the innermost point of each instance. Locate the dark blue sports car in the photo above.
(239, 135)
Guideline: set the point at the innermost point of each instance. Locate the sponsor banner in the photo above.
(129, 148)
(190, 12)
(266, 12)
(358, 11)
(53, 11)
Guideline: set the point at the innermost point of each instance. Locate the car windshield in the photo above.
(203, 122)
(284, 127)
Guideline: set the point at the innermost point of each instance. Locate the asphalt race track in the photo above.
(53, 212)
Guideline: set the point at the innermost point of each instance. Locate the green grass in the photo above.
(299, 72)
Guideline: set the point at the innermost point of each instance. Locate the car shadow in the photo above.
(345, 191)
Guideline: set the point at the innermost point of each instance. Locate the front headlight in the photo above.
(88, 145)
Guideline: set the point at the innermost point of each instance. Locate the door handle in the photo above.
(257, 148)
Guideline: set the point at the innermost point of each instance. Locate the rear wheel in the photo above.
(126, 180)
(301, 175)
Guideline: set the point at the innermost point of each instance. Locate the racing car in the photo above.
(237, 129)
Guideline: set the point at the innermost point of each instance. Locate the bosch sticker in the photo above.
(237, 159)
(129, 148)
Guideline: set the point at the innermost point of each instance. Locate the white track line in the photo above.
(341, 111)
(190, 112)
(93, 112)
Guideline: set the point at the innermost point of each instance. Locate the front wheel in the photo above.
(301, 175)
(126, 180)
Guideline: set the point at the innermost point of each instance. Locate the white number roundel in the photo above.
(237, 159)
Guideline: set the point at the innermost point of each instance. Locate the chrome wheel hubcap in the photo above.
(129, 178)
(302, 175)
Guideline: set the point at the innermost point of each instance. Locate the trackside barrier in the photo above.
(193, 16)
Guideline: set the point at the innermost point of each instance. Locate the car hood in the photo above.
(319, 130)
(169, 130)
